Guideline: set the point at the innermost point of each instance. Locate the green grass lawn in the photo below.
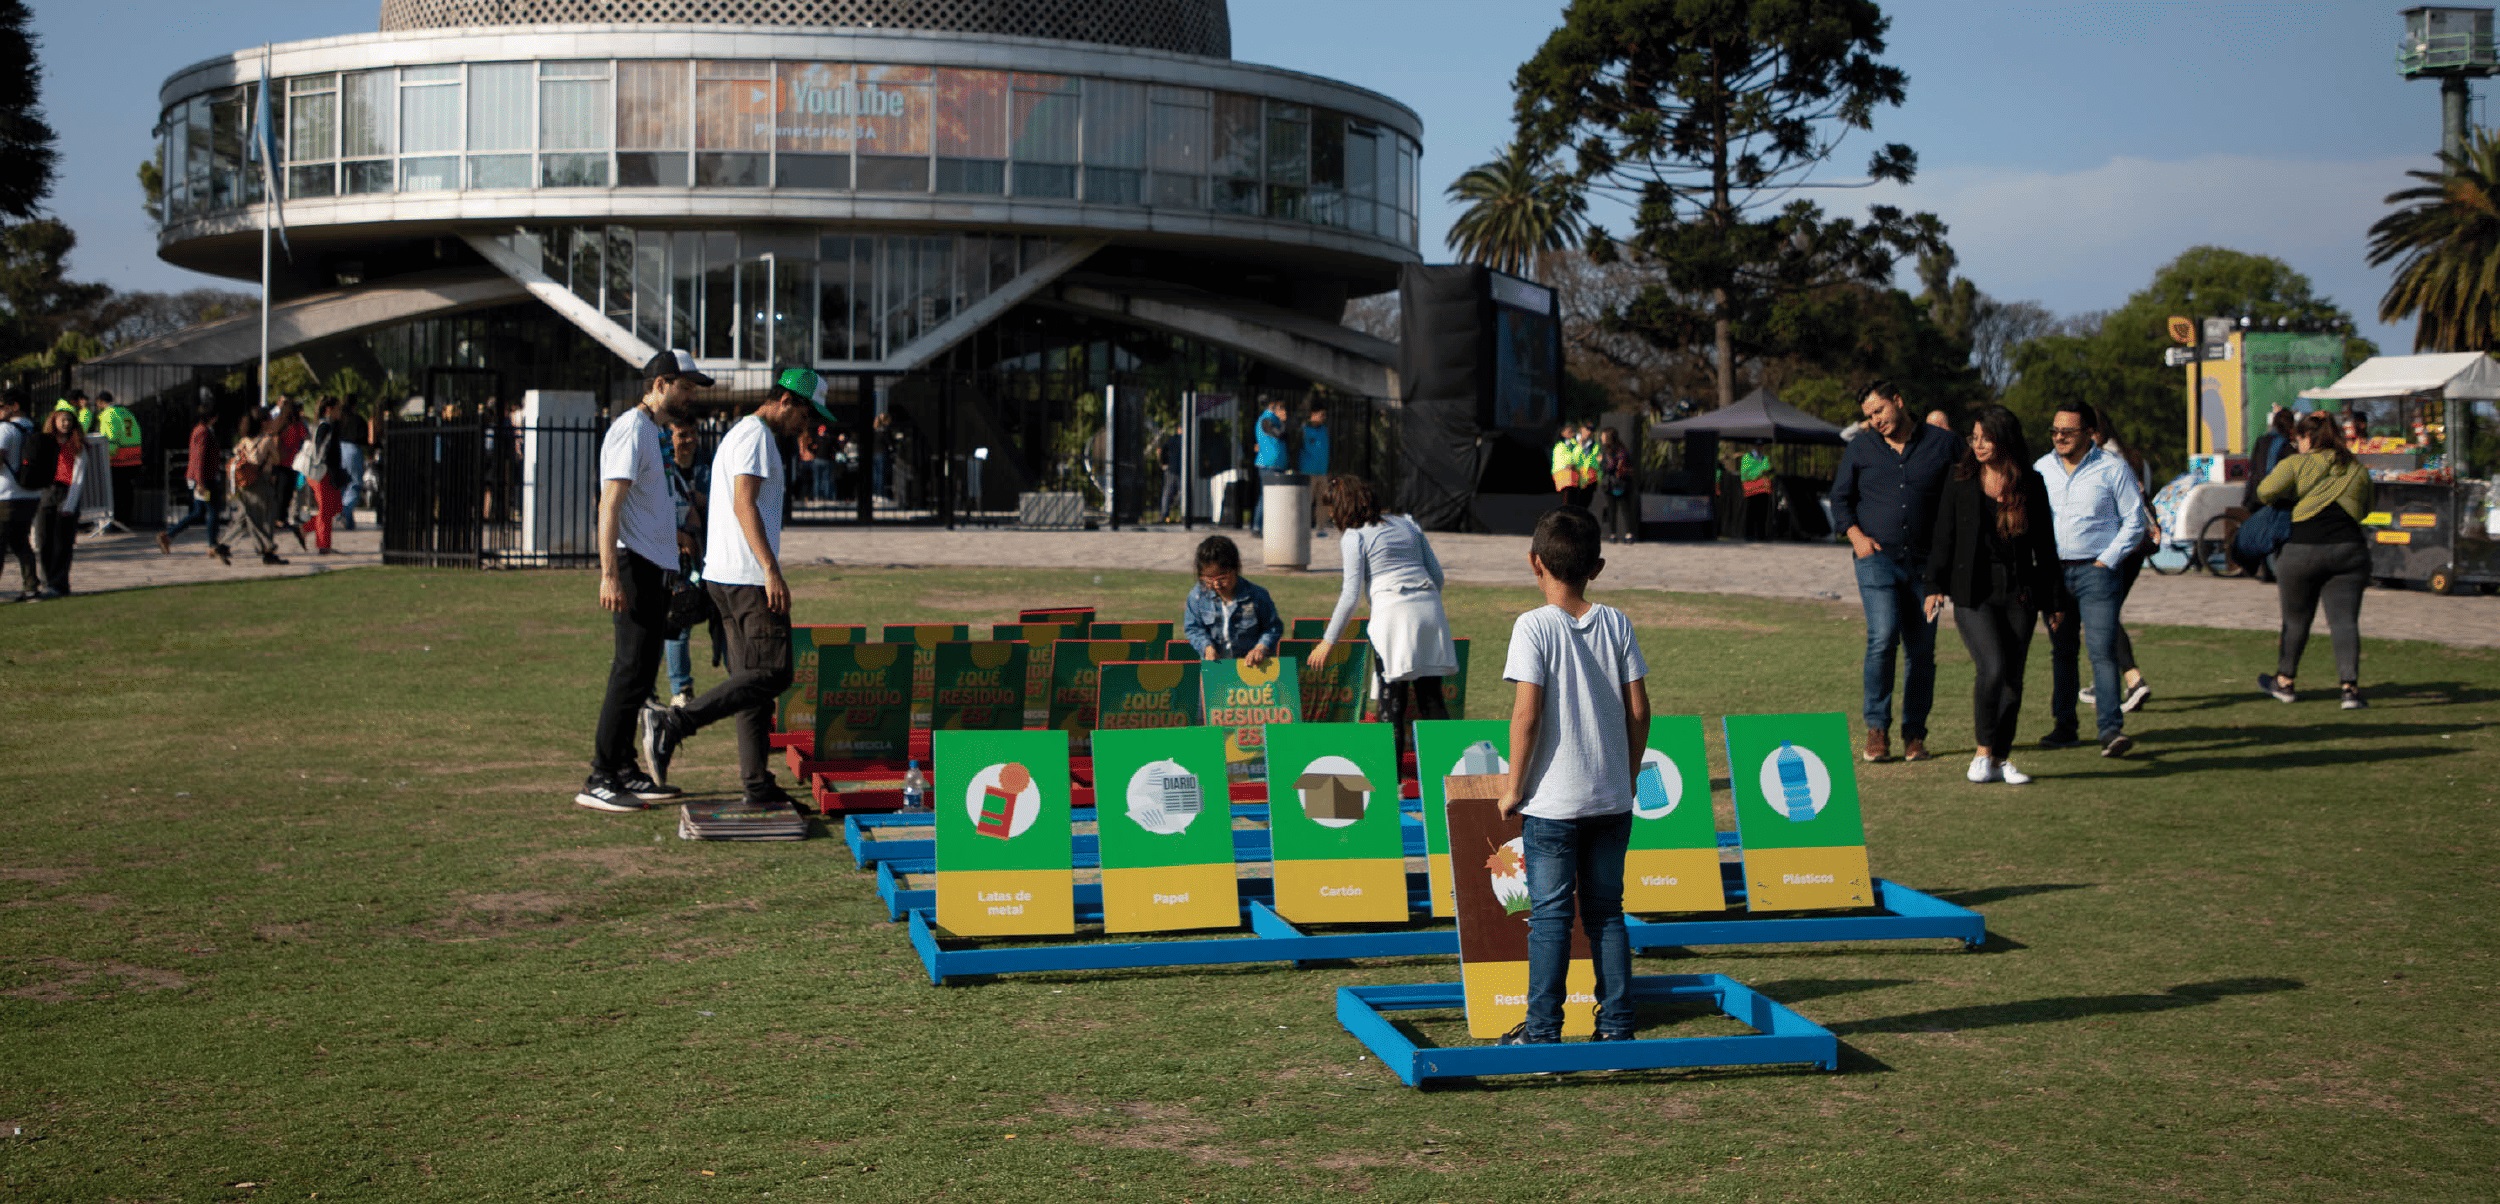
(292, 894)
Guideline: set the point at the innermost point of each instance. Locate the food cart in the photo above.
(2428, 429)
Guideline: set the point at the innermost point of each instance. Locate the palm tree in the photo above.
(2448, 238)
(1518, 209)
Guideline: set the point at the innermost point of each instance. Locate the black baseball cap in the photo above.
(674, 363)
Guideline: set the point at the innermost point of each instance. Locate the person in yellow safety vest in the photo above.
(1592, 462)
(1565, 462)
(116, 423)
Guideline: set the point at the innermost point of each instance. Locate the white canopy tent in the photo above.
(2463, 375)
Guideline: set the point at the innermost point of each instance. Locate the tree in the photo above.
(1998, 329)
(25, 137)
(2117, 366)
(1519, 210)
(2447, 238)
(1707, 117)
(40, 300)
(152, 191)
(125, 318)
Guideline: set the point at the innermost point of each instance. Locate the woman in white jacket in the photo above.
(62, 461)
(1388, 560)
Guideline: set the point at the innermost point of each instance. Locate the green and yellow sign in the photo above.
(795, 711)
(1492, 892)
(1076, 683)
(1673, 861)
(926, 637)
(1246, 700)
(1332, 806)
(1039, 638)
(1315, 629)
(1005, 846)
(1136, 695)
(1444, 749)
(1166, 825)
(1333, 692)
(980, 686)
(863, 701)
(1796, 792)
(1156, 632)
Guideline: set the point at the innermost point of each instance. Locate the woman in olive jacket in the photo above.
(1995, 554)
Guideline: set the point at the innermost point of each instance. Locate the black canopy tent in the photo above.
(1760, 418)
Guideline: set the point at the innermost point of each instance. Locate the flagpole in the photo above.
(268, 202)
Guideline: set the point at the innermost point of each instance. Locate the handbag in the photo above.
(689, 605)
(2262, 535)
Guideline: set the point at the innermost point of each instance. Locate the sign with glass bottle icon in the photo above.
(1673, 862)
(1447, 748)
(1796, 793)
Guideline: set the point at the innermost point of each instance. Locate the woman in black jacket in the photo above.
(1995, 555)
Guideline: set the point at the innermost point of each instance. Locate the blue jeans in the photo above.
(1896, 618)
(680, 663)
(1582, 857)
(820, 474)
(201, 512)
(352, 461)
(2089, 622)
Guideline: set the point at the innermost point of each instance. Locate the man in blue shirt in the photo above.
(2099, 519)
(1884, 499)
(1272, 456)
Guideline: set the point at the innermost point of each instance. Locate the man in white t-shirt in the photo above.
(637, 568)
(1578, 725)
(742, 570)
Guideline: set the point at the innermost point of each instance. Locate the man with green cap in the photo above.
(742, 572)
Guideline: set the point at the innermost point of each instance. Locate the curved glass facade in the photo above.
(770, 126)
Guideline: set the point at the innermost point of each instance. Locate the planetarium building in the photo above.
(496, 195)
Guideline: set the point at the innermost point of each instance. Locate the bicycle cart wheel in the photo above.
(2213, 547)
(2170, 560)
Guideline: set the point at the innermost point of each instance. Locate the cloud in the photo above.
(2083, 240)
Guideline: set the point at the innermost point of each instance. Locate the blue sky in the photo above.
(2072, 147)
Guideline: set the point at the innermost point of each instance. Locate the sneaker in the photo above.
(224, 554)
(2272, 686)
(2353, 701)
(639, 784)
(2117, 745)
(1519, 1035)
(164, 543)
(2011, 776)
(2088, 697)
(601, 793)
(1602, 1035)
(272, 558)
(1914, 749)
(681, 698)
(659, 739)
(773, 797)
(1983, 769)
(2136, 696)
(1878, 745)
(2061, 738)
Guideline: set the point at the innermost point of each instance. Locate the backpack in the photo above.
(26, 439)
(245, 469)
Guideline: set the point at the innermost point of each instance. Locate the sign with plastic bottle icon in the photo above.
(1673, 862)
(1166, 827)
(1796, 791)
(1005, 845)
(1334, 831)
(1447, 748)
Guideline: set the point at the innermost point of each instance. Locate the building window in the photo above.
(574, 120)
(733, 123)
(312, 117)
(502, 114)
(970, 116)
(1236, 155)
(1042, 135)
(653, 128)
(894, 129)
(1177, 138)
(367, 108)
(429, 126)
(812, 136)
(1288, 161)
(1115, 143)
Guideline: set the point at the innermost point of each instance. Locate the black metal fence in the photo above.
(481, 494)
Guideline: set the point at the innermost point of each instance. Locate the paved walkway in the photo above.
(1804, 571)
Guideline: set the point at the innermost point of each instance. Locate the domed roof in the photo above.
(1201, 27)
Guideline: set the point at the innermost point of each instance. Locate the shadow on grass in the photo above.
(2154, 762)
(2426, 693)
(2067, 1007)
(1984, 895)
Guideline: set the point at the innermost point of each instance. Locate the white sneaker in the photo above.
(1983, 769)
(681, 700)
(2011, 776)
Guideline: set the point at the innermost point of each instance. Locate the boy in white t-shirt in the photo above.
(1578, 725)
(742, 572)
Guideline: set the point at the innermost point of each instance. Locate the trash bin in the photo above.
(1285, 535)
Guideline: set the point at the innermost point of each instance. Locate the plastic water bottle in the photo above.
(1795, 790)
(915, 788)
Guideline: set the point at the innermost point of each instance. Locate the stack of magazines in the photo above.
(737, 820)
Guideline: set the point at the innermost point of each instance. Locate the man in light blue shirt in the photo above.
(2099, 519)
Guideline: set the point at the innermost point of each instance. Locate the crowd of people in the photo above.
(1593, 469)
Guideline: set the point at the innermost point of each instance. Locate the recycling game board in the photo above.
(1248, 701)
(979, 685)
(1005, 844)
(1490, 876)
(1333, 823)
(1147, 694)
(1796, 789)
(1673, 862)
(1166, 827)
(1445, 748)
(863, 701)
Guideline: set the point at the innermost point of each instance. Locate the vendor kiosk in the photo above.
(2428, 429)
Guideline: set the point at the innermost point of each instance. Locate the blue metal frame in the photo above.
(1908, 915)
(866, 851)
(1780, 1036)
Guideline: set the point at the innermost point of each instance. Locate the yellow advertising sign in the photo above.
(2395, 537)
(2417, 520)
